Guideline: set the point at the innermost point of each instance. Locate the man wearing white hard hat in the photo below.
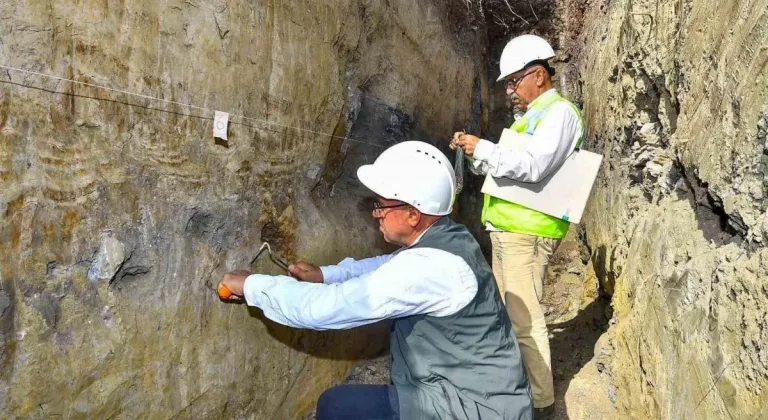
(453, 352)
(523, 239)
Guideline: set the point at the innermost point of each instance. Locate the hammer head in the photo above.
(272, 257)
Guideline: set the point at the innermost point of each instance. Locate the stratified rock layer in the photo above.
(118, 214)
(675, 96)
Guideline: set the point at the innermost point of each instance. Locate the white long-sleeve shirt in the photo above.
(554, 139)
(354, 293)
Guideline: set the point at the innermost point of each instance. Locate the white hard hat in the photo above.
(521, 51)
(413, 172)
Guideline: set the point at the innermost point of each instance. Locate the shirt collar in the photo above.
(541, 97)
(422, 233)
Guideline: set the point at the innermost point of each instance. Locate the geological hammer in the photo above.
(224, 291)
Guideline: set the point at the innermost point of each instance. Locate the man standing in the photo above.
(453, 352)
(523, 239)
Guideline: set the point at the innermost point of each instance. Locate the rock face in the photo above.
(676, 97)
(118, 213)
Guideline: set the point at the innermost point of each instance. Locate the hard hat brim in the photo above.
(372, 179)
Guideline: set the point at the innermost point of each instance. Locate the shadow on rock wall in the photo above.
(331, 345)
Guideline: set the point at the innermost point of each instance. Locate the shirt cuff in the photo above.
(253, 288)
(331, 273)
(483, 150)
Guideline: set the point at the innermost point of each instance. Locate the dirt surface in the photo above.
(578, 318)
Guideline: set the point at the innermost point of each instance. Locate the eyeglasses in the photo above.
(379, 206)
(512, 83)
(378, 209)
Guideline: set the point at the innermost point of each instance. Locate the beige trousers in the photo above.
(520, 266)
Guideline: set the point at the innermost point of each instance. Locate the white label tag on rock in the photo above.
(220, 122)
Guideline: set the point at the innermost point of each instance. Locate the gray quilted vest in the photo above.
(466, 366)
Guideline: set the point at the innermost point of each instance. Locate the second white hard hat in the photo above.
(521, 51)
(413, 172)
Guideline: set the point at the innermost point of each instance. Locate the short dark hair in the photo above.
(543, 63)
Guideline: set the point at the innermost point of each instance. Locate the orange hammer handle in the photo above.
(224, 292)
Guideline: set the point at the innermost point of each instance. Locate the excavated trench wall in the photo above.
(676, 97)
(118, 213)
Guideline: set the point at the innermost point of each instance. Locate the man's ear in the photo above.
(540, 78)
(414, 217)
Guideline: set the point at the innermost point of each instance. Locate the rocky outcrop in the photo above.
(675, 98)
(119, 213)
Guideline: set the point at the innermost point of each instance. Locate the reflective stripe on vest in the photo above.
(513, 217)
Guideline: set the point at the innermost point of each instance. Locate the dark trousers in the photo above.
(358, 402)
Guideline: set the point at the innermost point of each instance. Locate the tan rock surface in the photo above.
(675, 96)
(117, 213)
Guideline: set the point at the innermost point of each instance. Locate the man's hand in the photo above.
(234, 282)
(455, 140)
(466, 141)
(304, 271)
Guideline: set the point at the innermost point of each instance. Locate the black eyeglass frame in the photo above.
(379, 206)
(512, 83)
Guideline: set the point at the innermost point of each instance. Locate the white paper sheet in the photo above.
(563, 193)
(220, 122)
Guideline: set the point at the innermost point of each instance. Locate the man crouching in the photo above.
(454, 355)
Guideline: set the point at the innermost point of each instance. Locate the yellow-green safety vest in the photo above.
(513, 217)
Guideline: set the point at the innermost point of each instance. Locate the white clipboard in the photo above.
(562, 194)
